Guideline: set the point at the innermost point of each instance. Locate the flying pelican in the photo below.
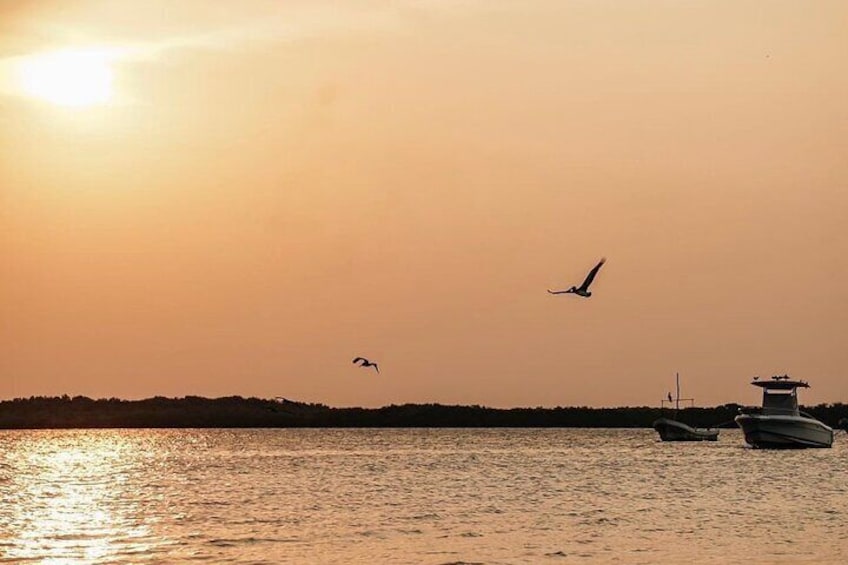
(584, 288)
(366, 363)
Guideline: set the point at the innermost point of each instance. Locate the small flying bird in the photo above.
(584, 288)
(363, 362)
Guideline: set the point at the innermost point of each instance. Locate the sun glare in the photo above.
(68, 78)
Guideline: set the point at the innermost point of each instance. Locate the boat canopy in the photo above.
(780, 396)
(780, 384)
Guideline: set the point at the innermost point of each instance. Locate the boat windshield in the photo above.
(780, 402)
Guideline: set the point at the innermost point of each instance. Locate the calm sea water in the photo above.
(415, 496)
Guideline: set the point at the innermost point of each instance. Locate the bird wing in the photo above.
(358, 359)
(591, 276)
(376, 367)
(559, 291)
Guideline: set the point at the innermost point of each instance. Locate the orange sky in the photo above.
(274, 188)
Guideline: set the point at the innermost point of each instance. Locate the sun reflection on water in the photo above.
(71, 501)
(413, 496)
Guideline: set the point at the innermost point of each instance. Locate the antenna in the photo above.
(677, 400)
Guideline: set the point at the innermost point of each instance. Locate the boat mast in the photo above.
(677, 399)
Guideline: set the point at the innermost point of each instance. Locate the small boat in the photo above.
(671, 429)
(674, 430)
(779, 423)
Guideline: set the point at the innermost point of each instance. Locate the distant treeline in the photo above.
(238, 412)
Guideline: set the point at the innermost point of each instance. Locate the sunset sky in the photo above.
(237, 198)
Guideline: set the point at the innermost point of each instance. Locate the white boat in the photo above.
(779, 423)
(671, 429)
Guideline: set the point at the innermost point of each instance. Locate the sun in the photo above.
(75, 78)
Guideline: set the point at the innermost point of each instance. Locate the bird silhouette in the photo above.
(669, 397)
(583, 290)
(363, 362)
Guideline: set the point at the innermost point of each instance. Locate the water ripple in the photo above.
(423, 496)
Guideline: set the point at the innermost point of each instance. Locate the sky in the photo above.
(210, 198)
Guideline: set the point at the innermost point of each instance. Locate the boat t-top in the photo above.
(779, 423)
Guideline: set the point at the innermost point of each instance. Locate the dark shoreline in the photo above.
(236, 412)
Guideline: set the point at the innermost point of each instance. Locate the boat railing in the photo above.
(773, 411)
(675, 405)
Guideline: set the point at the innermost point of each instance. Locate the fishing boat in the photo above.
(672, 429)
(675, 430)
(778, 423)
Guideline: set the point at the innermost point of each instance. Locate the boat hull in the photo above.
(672, 430)
(784, 432)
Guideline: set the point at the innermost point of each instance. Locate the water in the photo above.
(415, 496)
